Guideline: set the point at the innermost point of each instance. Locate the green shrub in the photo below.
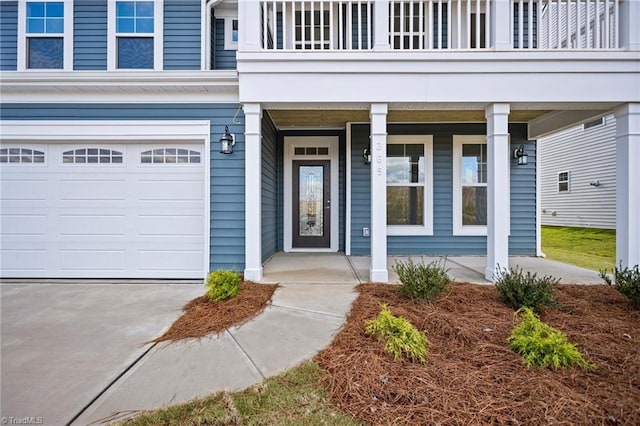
(400, 336)
(542, 345)
(520, 290)
(420, 281)
(222, 285)
(626, 281)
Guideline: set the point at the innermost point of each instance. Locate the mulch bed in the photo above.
(472, 377)
(203, 316)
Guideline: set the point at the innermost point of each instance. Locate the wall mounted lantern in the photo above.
(227, 141)
(521, 155)
(366, 156)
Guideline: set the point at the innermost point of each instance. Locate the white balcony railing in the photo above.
(439, 24)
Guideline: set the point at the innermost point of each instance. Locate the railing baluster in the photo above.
(616, 28)
(478, 24)
(430, 41)
(597, 44)
(359, 26)
(439, 24)
(607, 27)
(459, 26)
(449, 46)
(530, 26)
(411, 24)
(369, 26)
(421, 24)
(487, 23)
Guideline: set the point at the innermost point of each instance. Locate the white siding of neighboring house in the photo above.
(588, 155)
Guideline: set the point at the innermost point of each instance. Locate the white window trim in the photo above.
(568, 182)
(427, 227)
(158, 36)
(458, 227)
(67, 36)
(228, 15)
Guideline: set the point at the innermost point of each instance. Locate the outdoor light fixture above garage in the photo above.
(227, 142)
(521, 155)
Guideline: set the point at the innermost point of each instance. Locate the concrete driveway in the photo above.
(63, 344)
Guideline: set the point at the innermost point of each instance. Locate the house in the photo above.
(578, 175)
(373, 127)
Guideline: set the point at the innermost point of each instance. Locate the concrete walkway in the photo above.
(76, 353)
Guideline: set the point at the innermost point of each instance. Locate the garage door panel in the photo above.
(92, 225)
(24, 190)
(92, 260)
(163, 190)
(184, 260)
(107, 190)
(23, 225)
(22, 260)
(170, 225)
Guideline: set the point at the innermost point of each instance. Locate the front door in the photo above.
(311, 204)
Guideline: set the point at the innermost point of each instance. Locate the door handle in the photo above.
(328, 206)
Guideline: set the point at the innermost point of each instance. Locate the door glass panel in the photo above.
(311, 201)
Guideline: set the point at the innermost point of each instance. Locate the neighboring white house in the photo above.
(578, 175)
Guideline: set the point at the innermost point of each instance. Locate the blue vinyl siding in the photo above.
(223, 59)
(227, 171)
(182, 34)
(90, 35)
(270, 192)
(443, 242)
(8, 35)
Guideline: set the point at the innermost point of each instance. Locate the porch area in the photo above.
(337, 268)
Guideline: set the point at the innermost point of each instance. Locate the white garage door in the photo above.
(102, 210)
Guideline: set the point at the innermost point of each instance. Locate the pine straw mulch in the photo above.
(202, 316)
(472, 377)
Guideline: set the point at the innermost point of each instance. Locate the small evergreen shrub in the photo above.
(222, 285)
(520, 290)
(420, 281)
(626, 280)
(542, 345)
(400, 336)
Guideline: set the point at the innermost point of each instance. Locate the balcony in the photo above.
(436, 25)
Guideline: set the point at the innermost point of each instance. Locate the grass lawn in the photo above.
(589, 248)
(296, 397)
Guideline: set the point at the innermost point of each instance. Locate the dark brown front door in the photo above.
(311, 204)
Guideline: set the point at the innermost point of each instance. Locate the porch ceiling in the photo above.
(319, 118)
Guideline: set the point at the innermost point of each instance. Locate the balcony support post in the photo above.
(498, 191)
(629, 28)
(249, 37)
(501, 17)
(381, 25)
(378, 271)
(253, 191)
(628, 185)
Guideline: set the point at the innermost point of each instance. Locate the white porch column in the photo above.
(252, 190)
(501, 17)
(381, 25)
(628, 185)
(378, 271)
(249, 19)
(498, 197)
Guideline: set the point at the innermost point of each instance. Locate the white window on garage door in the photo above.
(20, 155)
(170, 156)
(92, 156)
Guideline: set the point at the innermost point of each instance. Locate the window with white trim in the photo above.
(92, 156)
(21, 155)
(409, 185)
(469, 185)
(135, 34)
(170, 156)
(563, 181)
(45, 39)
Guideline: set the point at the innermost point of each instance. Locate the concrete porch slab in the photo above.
(327, 268)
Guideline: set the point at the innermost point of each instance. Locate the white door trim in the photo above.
(331, 142)
(197, 131)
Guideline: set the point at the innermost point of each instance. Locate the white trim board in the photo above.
(332, 142)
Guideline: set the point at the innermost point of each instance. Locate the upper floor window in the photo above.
(135, 34)
(44, 35)
(469, 185)
(409, 185)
